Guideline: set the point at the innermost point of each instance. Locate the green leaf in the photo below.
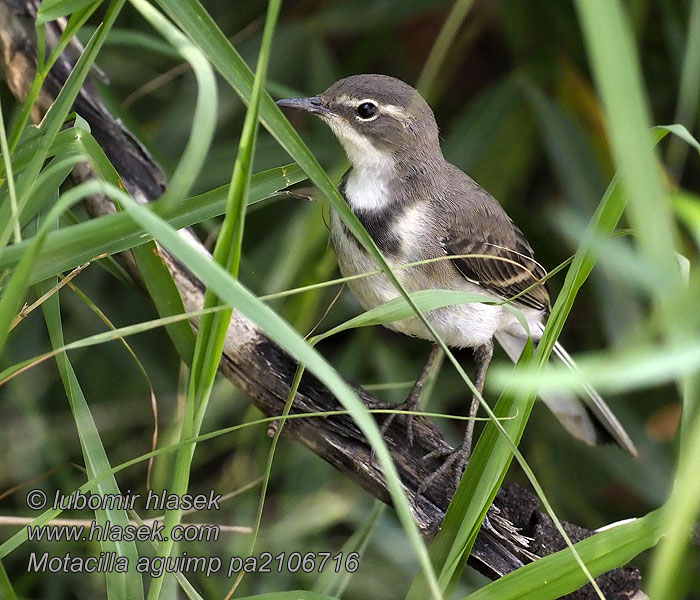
(72, 246)
(102, 338)
(50, 10)
(687, 206)
(204, 119)
(126, 585)
(441, 46)
(689, 89)
(558, 574)
(335, 582)
(10, 180)
(646, 365)
(398, 309)
(58, 111)
(615, 65)
(6, 585)
(297, 595)
(492, 455)
(166, 298)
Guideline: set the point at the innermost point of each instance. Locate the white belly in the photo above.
(462, 326)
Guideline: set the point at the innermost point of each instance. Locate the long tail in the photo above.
(589, 418)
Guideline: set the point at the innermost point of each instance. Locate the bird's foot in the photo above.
(410, 404)
(455, 460)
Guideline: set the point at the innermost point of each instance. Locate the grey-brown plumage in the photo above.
(416, 206)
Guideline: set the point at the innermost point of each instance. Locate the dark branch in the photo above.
(263, 371)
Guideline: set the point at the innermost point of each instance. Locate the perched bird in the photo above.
(416, 206)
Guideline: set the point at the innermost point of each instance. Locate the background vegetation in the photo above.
(518, 109)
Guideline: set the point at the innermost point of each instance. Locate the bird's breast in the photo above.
(467, 325)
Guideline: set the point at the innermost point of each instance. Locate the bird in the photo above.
(418, 207)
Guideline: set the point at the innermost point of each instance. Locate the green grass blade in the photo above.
(72, 246)
(398, 309)
(633, 369)
(296, 595)
(558, 574)
(683, 504)
(212, 328)
(102, 338)
(689, 89)
(442, 45)
(6, 588)
(50, 10)
(615, 66)
(163, 291)
(58, 111)
(158, 280)
(204, 119)
(330, 582)
(682, 507)
(126, 585)
(12, 192)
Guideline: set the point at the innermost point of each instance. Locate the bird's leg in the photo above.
(457, 458)
(482, 356)
(412, 401)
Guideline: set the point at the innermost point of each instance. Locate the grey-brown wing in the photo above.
(501, 260)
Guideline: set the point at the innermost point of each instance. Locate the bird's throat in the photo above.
(370, 189)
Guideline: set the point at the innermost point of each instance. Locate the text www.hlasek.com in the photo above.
(147, 532)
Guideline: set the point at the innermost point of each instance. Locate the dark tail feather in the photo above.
(588, 418)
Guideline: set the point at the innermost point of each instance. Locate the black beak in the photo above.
(312, 105)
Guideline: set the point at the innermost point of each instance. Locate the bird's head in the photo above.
(375, 117)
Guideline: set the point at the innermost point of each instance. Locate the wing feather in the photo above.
(501, 259)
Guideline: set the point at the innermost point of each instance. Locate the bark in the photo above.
(516, 530)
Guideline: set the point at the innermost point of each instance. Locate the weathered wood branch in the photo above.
(263, 371)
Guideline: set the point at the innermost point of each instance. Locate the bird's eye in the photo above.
(366, 110)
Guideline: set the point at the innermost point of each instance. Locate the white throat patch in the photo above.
(367, 187)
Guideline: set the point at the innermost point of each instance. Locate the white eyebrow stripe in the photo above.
(389, 109)
(395, 111)
(346, 100)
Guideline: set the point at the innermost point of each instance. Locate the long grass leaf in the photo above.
(271, 324)
(10, 180)
(6, 585)
(615, 66)
(441, 46)
(204, 119)
(68, 247)
(127, 585)
(59, 109)
(50, 10)
(558, 574)
(212, 329)
(689, 90)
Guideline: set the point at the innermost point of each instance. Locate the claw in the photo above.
(456, 460)
(410, 404)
